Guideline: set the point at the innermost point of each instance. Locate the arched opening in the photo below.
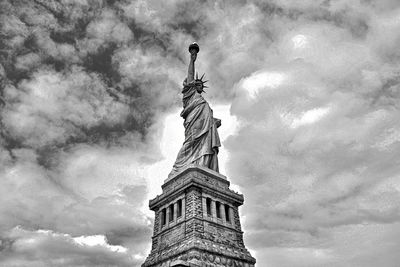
(227, 213)
(179, 208)
(218, 208)
(163, 217)
(171, 212)
(208, 204)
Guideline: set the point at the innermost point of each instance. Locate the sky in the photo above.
(308, 93)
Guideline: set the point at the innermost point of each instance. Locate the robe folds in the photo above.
(201, 136)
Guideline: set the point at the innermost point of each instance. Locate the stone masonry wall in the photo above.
(194, 212)
(236, 219)
(198, 238)
(154, 245)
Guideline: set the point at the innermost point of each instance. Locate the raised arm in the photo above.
(191, 70)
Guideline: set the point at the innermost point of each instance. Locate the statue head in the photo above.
(199, 83)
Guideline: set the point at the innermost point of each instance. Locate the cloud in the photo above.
(109, 29)
(34, 198)
(40, 247)
(86, 87)
(95, 171)
(344, 246)
(310, 116)
(309, 154)
(52, 107)
(262, 80)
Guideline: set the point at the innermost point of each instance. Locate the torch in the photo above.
(194, 48)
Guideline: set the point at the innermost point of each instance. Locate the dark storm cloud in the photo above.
(74, 37)
(72, 102)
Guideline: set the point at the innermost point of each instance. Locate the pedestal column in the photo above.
(184, 207)
(204, 201)
(231, 215)
(176, 211)
(213, 209)
(168, 216)
(222, 212)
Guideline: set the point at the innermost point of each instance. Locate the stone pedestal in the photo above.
(198, 234)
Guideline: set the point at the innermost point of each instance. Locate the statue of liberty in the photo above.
(201, 137)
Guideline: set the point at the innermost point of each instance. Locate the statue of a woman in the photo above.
(201, 137)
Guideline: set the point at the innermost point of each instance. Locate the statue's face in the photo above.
(199, 88)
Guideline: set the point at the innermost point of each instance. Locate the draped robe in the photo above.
(201, 137)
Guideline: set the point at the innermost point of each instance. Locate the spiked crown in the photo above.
(200, 81)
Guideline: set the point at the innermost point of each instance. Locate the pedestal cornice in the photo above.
(206, 179)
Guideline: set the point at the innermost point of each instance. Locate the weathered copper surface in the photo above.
(201, 143)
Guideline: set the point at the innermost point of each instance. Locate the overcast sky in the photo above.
(308, 93)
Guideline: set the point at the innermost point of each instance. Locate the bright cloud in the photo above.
(299, 41)
(309, 117)
(262, 80)
(98, 240)
(62, 249)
